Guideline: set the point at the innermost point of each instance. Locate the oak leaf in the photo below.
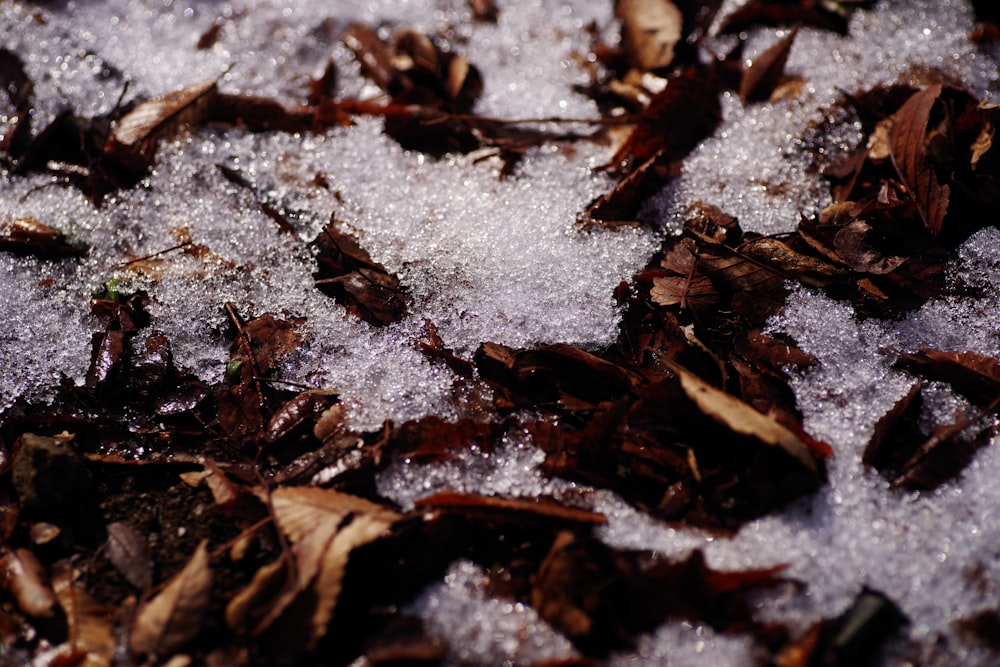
(174, 617)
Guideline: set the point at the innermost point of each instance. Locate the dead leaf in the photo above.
(324, 526)
(692, 292)
(348, 273)
(23, 577)
(175, 616)
(129, 552)
(764, 74)
(908, 140)
(651, 30)
(28, 236)
(89, 624)
(975, 376)
(518, 509)
(740, 417)
(133, 141)
(886, 423)
(673, 123)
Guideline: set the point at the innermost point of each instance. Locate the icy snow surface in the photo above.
(486, 259)
(483, 258)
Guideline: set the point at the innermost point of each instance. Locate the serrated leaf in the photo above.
(174, 617)
(324, 526)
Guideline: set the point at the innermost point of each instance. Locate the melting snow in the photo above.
(486, 259)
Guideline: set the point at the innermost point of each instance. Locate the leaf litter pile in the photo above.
(637, 332)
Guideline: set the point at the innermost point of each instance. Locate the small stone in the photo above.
(50, 479)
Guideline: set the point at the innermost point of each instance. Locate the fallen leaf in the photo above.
(764, 74)
(175, 616)
(323, 526)
(28, 236)
(692, 292)
(517, 509)
(133, 140)
(348, 273)
(129, 552)
(651, 30)
(975, 376)
(674, 121)
(908, 140)
(23, 577)
(89, 624)
(740, 417)
(886, 423)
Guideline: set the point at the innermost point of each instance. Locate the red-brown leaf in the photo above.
(907, 142)
(767, 69)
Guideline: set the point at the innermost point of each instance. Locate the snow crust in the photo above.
(482, 258)
(486, 259)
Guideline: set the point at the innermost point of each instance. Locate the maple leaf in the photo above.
(174, 617)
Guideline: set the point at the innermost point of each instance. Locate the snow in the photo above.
(501, 260)
(482, 258)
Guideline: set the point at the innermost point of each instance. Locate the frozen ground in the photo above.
(501, 260)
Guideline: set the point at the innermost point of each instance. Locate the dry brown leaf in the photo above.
(766, 70)
(247, 606)
(324, 526)
(23, 577)
(974, 375)
(907, 142)
(694, 292)
(651, 29)
(129, 553)
(174, 617)
(133, 141)
(740, 417)
(89, 624)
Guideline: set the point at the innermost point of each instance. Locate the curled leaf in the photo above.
(174, 617)
(23, 577)
(907, 142)
(740, 417)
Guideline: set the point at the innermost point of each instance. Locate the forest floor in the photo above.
(328, 340)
